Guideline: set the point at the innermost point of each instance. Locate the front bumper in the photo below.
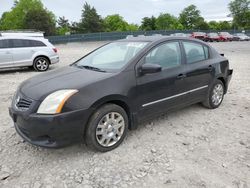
(52, 131)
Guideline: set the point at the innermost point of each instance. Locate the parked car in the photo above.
(212, 37)
(180, 35)
(225, 36)
(113, 88)
(241, 37)
(23, 33)
(199, 35)
(34, 52)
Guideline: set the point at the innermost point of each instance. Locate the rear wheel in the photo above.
(215, 95)
(107, 128)
(41, 64)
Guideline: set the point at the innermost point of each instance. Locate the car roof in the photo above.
(22, 37)
(158, 39)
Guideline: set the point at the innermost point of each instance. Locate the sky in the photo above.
(132, 10)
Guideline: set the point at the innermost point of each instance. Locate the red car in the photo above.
(225, 36)
(213, 37)
(199, 35)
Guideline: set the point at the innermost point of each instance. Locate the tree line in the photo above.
(31, 14)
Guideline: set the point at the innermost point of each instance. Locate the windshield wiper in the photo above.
(91, 68)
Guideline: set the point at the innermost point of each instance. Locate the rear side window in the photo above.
(4, 44)
(23, 43)
(195, 52)
(20, 43)
(167, 55)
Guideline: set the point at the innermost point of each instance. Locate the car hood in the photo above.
(38, 87)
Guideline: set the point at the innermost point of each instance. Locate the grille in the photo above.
(23, 104)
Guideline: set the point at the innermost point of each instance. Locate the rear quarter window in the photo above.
(35, 43)
(195, 52)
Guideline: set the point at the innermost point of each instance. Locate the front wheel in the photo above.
(41, 64)
(107, 128)
(215, 95)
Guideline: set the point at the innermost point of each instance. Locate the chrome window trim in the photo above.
(174, 96)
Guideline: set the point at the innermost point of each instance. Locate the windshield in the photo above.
(225, 34)
(111, 57)
(241, 34)
(213, 34)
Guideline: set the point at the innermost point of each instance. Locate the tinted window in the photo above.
(23, 43)
(19, 43)
(35, 43)
(195, 52)
(4, 44)
(167, 55)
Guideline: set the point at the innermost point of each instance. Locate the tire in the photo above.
(215, 95)
(103, 133)
(41, 64)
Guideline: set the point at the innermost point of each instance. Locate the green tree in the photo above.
(14, 19)
(75, 27)
(40, 20)
(91, 21)
(224, 25)
(64, 26)
(213, 25)
(132, 27)
(148, 23)
(63, 22)
(201, 24)
(240, 10)
(115, 23)
(168, 22)
(190, 18)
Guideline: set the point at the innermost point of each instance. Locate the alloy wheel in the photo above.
(42, 64)
(110, 129)
(217, 95)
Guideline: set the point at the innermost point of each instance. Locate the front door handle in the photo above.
(7, 52)
(181, 76)
(210, 68)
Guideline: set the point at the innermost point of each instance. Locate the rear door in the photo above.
(22, 51)
(159, 92)
(199, 68)
(6, 59)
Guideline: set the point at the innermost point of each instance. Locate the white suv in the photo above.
(34, 52)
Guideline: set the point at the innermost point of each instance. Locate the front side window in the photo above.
(195, 52)
(4, 44)
(167, 55)
(113, 56)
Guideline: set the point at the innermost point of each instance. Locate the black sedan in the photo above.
(117, 86)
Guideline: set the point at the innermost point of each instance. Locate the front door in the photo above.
(6, 59)
(160, 91)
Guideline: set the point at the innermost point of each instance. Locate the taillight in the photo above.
(55, 50)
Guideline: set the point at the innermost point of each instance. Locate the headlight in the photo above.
(54, 102)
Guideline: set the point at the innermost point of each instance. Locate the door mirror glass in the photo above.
(150, 68)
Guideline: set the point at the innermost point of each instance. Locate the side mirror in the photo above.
(149, 68)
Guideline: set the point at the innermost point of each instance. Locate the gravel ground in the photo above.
(193, 147)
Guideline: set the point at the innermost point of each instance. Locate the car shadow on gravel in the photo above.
(152, 125)
(22, 70)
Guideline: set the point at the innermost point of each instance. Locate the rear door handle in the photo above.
(181, 76)
(7, 52)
